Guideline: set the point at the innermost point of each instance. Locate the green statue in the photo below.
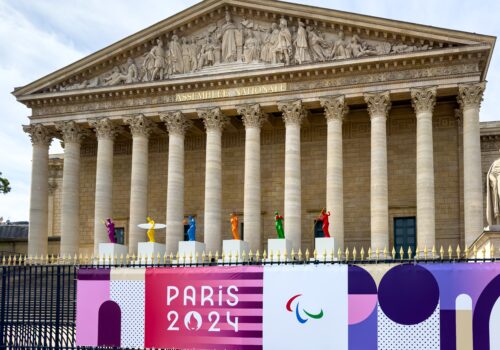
(279, 225)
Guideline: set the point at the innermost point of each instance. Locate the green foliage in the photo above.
(4, 185)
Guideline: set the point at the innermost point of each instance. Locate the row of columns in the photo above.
(335, 107)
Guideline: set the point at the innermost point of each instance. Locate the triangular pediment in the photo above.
(232, 36)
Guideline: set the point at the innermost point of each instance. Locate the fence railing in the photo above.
(266, 257)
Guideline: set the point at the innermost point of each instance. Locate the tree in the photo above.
(4, 185)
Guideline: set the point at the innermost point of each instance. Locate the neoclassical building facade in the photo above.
(257, 106)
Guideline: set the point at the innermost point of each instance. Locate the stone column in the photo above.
(423, 101)
(70, 202)
(41, 138)
(252, 119)
(378, 108)
(106, 131)
(335, 110)
(293, 114)
(470, 97)
(214, 121)
(140, 128)
(177, 125)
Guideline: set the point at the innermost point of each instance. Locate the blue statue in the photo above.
(192, 229)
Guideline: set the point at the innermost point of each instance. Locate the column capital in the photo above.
(140, 125)
(335, 107)
(471, 95)
(105, 128)
(379, 103)
(71, 131)
(176, 122)
(39, 134)
(252, 115)
(293, 111)
(423, 100)
(213, 118)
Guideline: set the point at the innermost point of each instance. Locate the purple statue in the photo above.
(110, 226)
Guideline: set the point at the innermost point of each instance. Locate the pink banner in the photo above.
(214, 307)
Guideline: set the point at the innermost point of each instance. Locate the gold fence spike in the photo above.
(158, 259)
(466, 252)
(250, 255)
(115, 259)
(417, 252)
(237, 256)
(203, 257)
(190, 257)
(75, 259)
(492, 251)
(362, 253)
(474, 251)
(257, 255)
(377, 253)
(458, 251)
(401, 253)
(393, 253)
(441, 253)
(425, 252)
(177, 257)
(410, 253)
(347, 254)
(385, 252)
(324, 255)
(332, 254)
(216, 256)
(3, 260)
(307, 254)
(433, 251)
(484, 252)
(450, 252)
(354, 253)
(339, 254)
(292, 254)
(197, 257)
(171, 257)
(243, 256)
(165, 258)
(224, 256)
(264, 255)
(315, 254)
(9, 260)
(299, 254)
(210, 256)
(279, 255)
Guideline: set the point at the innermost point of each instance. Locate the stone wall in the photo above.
(401, 142)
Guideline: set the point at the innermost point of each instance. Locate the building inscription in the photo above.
(232, 92)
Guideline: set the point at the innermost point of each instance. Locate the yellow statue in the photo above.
(151, 230)
(234, 226)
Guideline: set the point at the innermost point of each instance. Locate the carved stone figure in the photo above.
(206, 56)
(228, 33)
(186, 55)
(116, 77)
(251, 50)
(284, 45)
(317, 44)
(340, 49)
(175, 55)
(493, 194)
(132, 72)
(360, 49)
(193, 54)
(265, 52)
(155, 63)
(301, 45)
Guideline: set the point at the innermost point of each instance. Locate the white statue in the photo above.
(340, 49)
(284, 44)
(175, 54)
(301, 45)
(228, 33)
(155, 63)
(317, 44)
(493, 194)
(251, 50)
(361, 49)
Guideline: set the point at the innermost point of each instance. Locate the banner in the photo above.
(342, 307)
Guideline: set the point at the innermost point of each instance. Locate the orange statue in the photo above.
(234, 226)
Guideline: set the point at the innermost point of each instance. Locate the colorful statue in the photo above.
(151, 230)
(234, 226)
(324, 217)
(192, 229)
(110, 226)
(279, 225)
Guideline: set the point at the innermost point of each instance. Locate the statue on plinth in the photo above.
(192, 229)
(279, 225)
(493, 194)
(110, 227)
(234, 227)
(324, 217)
(151, 229)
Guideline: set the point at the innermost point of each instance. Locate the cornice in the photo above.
(205, 11)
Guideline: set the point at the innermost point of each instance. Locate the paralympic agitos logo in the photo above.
(297, 312)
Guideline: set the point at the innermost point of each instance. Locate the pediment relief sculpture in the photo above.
(242, 43)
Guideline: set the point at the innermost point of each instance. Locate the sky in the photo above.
(38, 37)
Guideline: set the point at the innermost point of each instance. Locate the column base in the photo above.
(235, 247)
(280, 245)
(189, 249)
(148, 252)
(325, 245)
(109, 251)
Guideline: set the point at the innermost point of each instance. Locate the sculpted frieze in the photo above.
(240, 43)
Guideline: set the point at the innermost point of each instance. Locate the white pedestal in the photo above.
(325, 245)
(109, 251)
(278, 245)
(146, 250)
(190, 249)
(234, 247)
